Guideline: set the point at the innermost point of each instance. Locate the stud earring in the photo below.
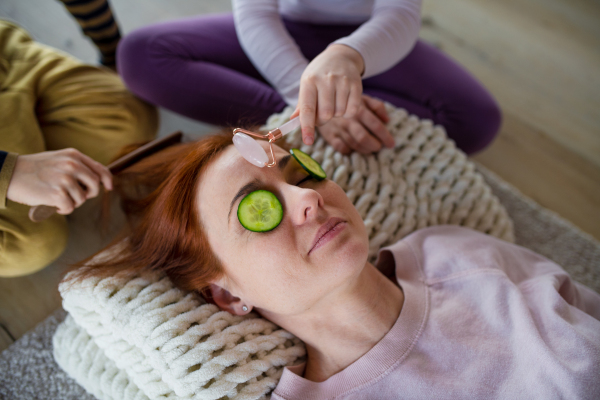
(244, 308)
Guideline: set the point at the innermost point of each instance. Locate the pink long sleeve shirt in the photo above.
(482, 319)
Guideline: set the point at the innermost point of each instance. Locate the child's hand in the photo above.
(365, 133)
(330, 86)
(64, 179)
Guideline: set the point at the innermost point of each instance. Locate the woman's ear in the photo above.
(228, 302)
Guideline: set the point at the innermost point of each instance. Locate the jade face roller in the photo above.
(252, 151)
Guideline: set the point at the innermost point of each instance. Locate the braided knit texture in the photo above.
(143, 338)
(87, 363)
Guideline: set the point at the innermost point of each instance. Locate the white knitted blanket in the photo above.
(145, 339)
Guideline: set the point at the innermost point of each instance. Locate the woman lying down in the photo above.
(446, 312)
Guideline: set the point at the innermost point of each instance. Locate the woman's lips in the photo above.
(326, 232)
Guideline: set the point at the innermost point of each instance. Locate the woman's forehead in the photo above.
(230, 170)
(231, 159)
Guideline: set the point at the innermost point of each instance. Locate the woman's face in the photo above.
(320, 246)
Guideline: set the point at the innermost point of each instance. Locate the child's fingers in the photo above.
(374, 125)
(307, 105)
(102, 171)
(378, 107)
(341, 99)
(354, 99)
(295, 113)
(325, 103)
(89, 179)
(367, 143)
(63, 202)
(77, 193)
(349, 140)
(339, 145)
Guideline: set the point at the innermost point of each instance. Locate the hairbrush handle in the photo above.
(42, 212)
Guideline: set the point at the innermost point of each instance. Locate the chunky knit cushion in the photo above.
(169, 343)
(143, 338)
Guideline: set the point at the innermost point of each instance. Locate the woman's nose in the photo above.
(304, 204)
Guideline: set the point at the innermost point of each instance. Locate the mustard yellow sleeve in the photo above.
(6, 172)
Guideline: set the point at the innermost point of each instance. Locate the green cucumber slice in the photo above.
(309, 164)
(260, 211)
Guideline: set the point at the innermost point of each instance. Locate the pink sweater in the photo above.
(482, 319)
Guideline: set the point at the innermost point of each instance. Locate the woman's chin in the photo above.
(350, 254)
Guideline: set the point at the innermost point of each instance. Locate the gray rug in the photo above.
(28, 370)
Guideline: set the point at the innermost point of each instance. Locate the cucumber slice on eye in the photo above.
(260, 211)
(309, 164)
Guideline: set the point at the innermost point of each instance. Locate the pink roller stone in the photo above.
(250, 149)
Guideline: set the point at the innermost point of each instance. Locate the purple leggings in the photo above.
(196, 67)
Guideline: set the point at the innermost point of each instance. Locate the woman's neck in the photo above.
(347, 323)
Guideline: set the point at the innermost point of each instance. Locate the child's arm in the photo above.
(331, 85)
(332, 82)
(388, 36)
(269, 46)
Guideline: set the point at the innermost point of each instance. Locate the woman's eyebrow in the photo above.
(283, 162)
(247, 188)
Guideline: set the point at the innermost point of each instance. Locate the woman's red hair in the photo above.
(164, 232)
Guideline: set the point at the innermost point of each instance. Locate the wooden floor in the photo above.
(540, 59)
